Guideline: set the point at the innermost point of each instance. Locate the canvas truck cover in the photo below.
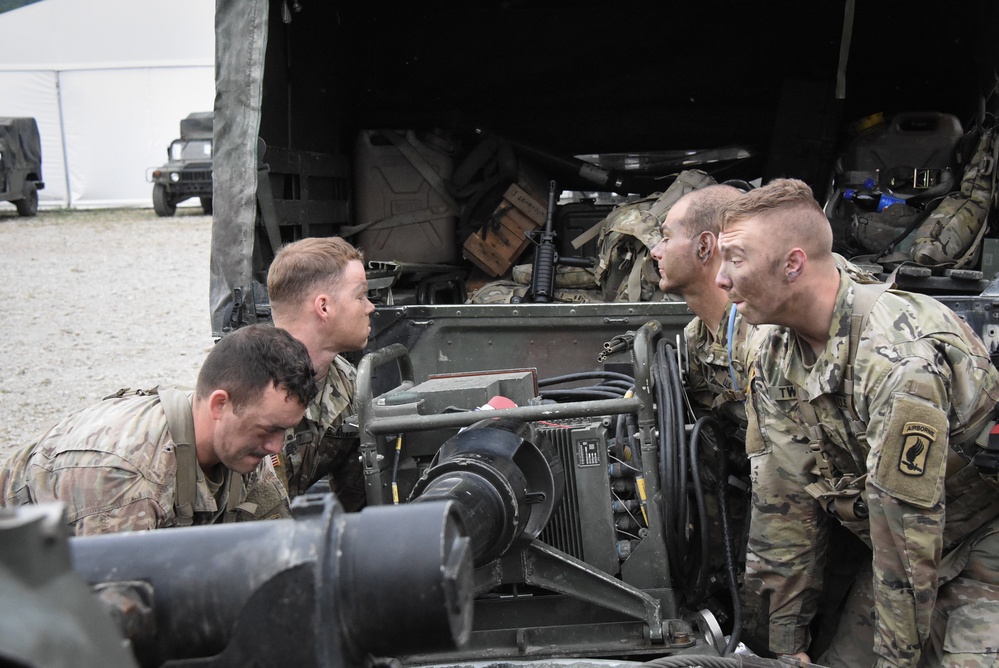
(241, 40)
(197, 125)
(360, 66)
(24, 146)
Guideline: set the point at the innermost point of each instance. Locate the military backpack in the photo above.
(625, 271)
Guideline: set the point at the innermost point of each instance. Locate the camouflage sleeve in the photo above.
(908, 438)
(697, 384)
(13, 487)
(139, 515)
(698, 387)
(266, 493)
(103, 493)
(785, 560)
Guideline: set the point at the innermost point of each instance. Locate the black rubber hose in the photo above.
(701, 580)
(733, 579)
(666, 429)
(666, 464)
(623, 385)
(585, 375)
(673, 463)
(680, 474)
(580, 394)
(619, 390)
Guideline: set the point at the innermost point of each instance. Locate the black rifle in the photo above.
(546, 257)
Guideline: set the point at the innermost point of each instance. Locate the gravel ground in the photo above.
(94, 301)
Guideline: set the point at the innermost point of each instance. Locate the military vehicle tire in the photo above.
(28, 205)
(161, 202)
(206, 205)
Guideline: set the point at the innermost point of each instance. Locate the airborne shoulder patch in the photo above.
(917, 439)
(913, 450)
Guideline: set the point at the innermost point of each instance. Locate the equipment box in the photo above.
(574, 219)
(497, 246)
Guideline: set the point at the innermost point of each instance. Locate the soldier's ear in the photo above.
(795, 263)
(706, 244)
(216, 403)
(321, 306)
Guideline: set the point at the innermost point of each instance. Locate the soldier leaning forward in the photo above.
(167, 457)
(896, 474)
(895, 394)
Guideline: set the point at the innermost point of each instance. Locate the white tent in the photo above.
(108, 82)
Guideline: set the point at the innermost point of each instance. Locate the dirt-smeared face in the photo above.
(245, 436)
(750, 273)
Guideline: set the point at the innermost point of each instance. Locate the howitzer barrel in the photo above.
(505, 479)
(323, 589)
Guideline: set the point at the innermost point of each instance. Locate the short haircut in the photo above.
(302, 266)
(247, 361)
(706, 208)
(790, 205)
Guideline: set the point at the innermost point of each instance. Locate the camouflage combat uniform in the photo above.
(302, 463)
(893, 470)
(115, 467)
(709, 377)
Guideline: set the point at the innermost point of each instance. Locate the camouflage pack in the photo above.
(497, 292)
(571, 287)
(951, 235)
(625, 271)
(565, 277)
(875, 231)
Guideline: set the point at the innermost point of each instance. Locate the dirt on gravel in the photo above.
(94, 301)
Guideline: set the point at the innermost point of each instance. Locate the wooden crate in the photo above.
(497, 246)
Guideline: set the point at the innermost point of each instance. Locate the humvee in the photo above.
(188, 170)
(20, 164)
(411, 128)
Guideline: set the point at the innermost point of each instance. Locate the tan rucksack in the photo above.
(625, 270)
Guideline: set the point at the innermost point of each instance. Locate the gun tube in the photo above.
(506, 479)
(307, 583)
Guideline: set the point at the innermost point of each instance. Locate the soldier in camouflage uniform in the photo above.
(688, 259)
(894, 393)
(166, 457)
(319, 294)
